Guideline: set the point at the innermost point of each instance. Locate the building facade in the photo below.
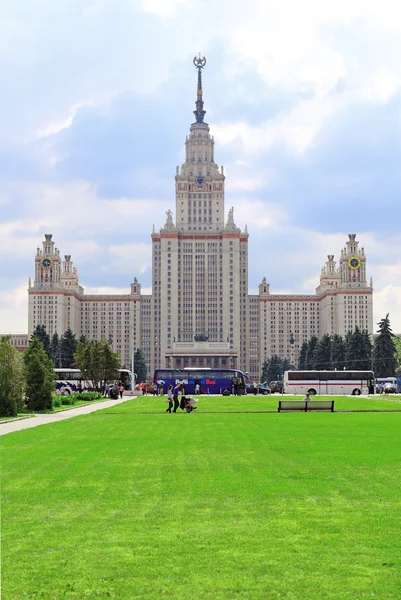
(200, 312)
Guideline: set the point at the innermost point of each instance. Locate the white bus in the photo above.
(334, 383)
(71, 380)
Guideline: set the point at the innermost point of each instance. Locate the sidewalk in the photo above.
(60, 416)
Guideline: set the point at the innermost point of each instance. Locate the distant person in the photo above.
(255, 388)
(169, 398)
(121, 390)
(143, 388)
(236, 386)
(197, 387)
(176, 392)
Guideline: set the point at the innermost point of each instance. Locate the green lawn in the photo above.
(124, 505)
(257, 403)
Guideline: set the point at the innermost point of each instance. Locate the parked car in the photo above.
(389, 388)
(261, 387)
(276, 386)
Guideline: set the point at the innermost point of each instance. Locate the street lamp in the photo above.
(292, 347)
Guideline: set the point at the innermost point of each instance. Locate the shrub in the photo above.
(56, 401)
(88, 396)
(68, 400)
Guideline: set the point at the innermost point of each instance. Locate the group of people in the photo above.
(176, 399)
(115, 390)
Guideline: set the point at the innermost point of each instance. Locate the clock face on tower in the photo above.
(200, 180)
(354, 262)
(47, 262)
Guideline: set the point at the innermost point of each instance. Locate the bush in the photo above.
(68, 400)
(88, 396)
(71, 399)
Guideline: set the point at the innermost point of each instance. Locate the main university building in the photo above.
(200, 312)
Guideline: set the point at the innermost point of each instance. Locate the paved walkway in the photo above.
(60, 416)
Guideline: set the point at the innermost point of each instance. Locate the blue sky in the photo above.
(303, 99)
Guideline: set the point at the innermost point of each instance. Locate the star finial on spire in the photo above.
(199, 62)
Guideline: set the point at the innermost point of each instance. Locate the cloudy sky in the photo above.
(303, 99)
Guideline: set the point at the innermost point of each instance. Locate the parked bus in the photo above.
(210, 381)
(71, 380)
(329, 382)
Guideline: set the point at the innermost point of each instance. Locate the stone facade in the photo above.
(200, 312)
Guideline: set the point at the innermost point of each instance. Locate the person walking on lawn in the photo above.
(176, 393)
(170, 398)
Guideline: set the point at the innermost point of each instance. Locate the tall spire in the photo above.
(199, 113)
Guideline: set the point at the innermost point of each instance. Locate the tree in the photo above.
(264, 371)
(12, 379)
(358, 350)
(322, 354)
(82, 338)
(40, 377)
(140, 366)
(337, 352)
(302, 357)
(272, 369)
(352, 346)
(365, 360)
(384, 351)
(68, 344)
(97, 363)
(55, 350)
(286, 366)
(397, 344)
(40, 333)
(310, 353)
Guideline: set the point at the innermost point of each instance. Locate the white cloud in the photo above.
(388, 300)
(296, 130)
(14, 309)
(162, 8)
(382, 87)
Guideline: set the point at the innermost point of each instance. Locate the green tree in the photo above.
(263, 374)
(82, 338)
(272, 369)
(55, 350)
(286, 365)
(365, 360)
(310, 353)
(358, 350)
(40, 377)
(140, 366)
(97, 362)
(337, 352)
(352, 346)
(322, 355)
(302, 357)
(12, 379)
(384, 350)
(40, 333)
(397, 344)
(68, 344)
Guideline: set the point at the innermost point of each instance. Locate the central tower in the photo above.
(200, 263)
(199, 184)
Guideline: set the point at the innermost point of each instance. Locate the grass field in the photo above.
(252, 403)
(219, 505)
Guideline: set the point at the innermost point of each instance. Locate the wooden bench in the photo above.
(305, 405)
